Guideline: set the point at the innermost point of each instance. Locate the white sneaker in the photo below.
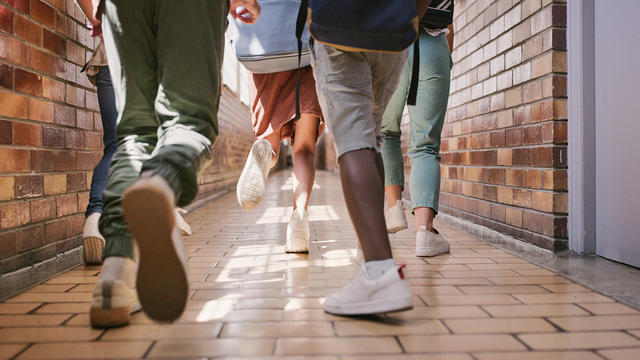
(359, 254)
(252, 182)
(162, 283)
(114, 297)
(181, 223)
(430, 244)
(298, 233)
(92, 240)
(365, 296)
(395, 218)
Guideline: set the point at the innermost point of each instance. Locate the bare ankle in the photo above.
(428, 227)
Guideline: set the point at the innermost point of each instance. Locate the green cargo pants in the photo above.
(165, 58)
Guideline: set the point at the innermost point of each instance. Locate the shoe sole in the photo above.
(92, 249)
(107, 318)
(162, 283)
(297, 250)
(382, 306)
(426, 251)
(251, 184)
(395, 229)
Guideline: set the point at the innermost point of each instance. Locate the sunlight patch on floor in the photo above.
(280, 214)
(217, 309)
(288, 184)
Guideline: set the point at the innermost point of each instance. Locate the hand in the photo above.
(95, 23)
(95, 31)
(246, 11)
(90, 11)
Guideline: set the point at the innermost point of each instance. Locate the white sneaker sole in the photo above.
(395, 229)
(251, 184)
(297, 244)
(162, 282)
(395, 226)
(381, 306)
(432, 251)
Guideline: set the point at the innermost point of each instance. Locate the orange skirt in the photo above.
(273, 102)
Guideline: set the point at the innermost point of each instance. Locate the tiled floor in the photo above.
(250, 300)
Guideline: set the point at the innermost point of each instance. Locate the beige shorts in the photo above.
(353, 90)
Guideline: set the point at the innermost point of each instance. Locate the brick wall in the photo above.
(51, 138)
(504, 146)
(231, 147)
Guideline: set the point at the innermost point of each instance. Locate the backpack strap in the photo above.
(415, 72)
(300, 23)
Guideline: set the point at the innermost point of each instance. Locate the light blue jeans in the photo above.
(426, 120)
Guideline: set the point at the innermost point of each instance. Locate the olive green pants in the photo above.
(165, 58)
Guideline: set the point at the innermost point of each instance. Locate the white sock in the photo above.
(377, 268)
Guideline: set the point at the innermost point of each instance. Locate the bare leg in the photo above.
(393, 193)
(274, 139)
(304, 170)
(424, 217)
(363, 191)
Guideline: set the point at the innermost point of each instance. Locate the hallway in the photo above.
(251, 300)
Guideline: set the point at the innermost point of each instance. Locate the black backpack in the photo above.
(362, 25)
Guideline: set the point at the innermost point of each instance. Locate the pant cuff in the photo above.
(396, 181)
(120, 245)
(428, 204)
(178, 166)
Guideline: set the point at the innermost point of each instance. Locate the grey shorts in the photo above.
(353, 90)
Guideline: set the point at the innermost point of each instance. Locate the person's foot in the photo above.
(92, 240)
(252, 182)
(114, 297)
(395, 218)
(162, 284)
(181, 223)
(298, 233)
(430, 243)
(367, 296)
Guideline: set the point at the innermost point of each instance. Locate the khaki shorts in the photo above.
(353, 90)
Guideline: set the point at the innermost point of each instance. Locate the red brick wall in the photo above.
(504, 146)
(50, 133)
(51, 136)
(231, 147)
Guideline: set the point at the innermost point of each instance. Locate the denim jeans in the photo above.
(108, 113)
(426, 121)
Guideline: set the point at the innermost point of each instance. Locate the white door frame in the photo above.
(581, 131)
